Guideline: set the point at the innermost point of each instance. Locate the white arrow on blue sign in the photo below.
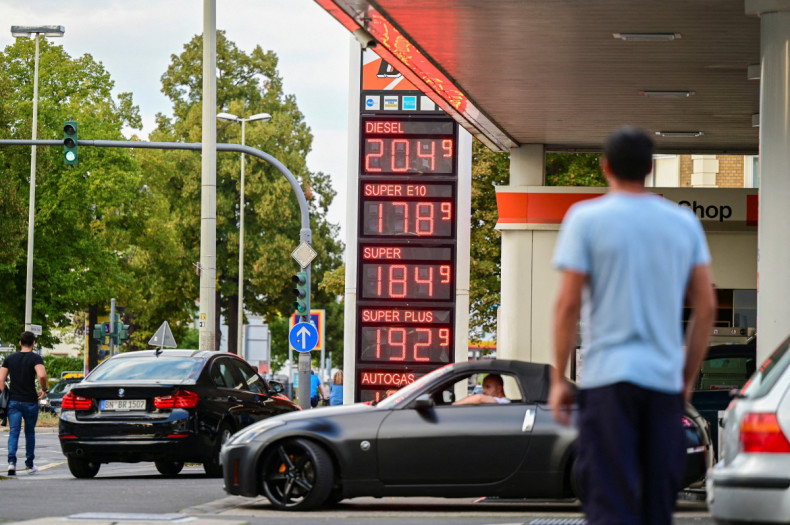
(303, 337)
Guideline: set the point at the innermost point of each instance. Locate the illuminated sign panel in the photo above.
(406, 259)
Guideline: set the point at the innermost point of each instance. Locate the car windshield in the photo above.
(146, 368)
(770, 371)
(394, 399)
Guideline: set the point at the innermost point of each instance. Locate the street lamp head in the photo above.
(227, 116)
(265, 117)
(51, 31)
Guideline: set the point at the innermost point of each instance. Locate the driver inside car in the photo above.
(493, 392)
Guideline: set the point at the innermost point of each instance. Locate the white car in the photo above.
(751, 483)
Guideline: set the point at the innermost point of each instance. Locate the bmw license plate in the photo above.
(123, 404)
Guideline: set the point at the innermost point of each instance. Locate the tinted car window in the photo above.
(725, 373)
(224, 373)
(252, 380)
(61, 387)
(770, 371)
(147, 368)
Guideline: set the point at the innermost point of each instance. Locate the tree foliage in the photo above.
(573, 169)
(247, 84)
(489, 170)
(86, 214)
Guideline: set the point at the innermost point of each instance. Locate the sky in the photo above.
(135, 40)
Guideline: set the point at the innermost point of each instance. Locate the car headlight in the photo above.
(250, 433)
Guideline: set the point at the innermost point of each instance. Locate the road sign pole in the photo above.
(304, 380)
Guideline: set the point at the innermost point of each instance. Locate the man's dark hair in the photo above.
(496, 378)
(629, 152)
(27, 339)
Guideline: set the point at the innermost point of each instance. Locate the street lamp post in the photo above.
(28, 31)
(240, 323)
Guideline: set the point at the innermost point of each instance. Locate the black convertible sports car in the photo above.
(417, 443)
(169, 407)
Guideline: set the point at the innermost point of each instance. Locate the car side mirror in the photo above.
(277, 387)
(424, 401)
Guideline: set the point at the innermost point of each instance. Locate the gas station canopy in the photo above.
(565, 73)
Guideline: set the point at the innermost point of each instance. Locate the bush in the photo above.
(57, 364)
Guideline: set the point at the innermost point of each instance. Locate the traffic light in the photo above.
(98, 332)
(302, 293)
(123, 332)
(70, 143)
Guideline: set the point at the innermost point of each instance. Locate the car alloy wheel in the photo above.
(297, 475)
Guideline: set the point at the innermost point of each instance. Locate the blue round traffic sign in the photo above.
(303, 337)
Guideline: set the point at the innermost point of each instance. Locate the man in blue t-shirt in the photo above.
(23, 367)
(628, 261)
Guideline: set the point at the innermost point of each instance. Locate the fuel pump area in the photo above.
(530, 78)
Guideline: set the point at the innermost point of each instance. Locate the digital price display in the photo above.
(409, 210)
(406, 258)
(408, 147)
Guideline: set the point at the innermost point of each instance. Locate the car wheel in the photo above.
(297, 475)
(213, 465)
(169, 468)
(83, 468)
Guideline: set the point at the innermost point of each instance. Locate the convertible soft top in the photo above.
(535, 377)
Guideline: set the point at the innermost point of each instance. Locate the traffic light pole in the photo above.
(305, 234)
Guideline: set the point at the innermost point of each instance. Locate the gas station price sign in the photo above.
(406, 258)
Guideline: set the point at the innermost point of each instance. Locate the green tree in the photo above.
(246, 84)
(85, 214)
(573, 169)
(489, 170)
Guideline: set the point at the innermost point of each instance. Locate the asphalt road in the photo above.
(139, 489)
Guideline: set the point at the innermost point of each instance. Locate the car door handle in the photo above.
(529, 420)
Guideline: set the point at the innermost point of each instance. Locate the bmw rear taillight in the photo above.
(760, 432)
(75, 402)
(181, 399)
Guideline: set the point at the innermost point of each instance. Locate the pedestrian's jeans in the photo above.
(18, 410)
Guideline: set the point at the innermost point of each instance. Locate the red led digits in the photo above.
(407, 281)
(398, 278)
(400, 155)
(430, 154)
(420, 218)
(401, 332)
(447, 147)
(425, 344)
(373, 159)
(447, 211)
(424, 222)
(398, 344)
(428, 281)
(444, 337)
(408, 156)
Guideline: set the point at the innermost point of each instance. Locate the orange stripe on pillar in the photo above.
(537, 208)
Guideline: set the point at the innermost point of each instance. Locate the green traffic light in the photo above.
(70, 143)
(302, 292)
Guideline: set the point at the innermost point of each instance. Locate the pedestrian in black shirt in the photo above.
(22, 367)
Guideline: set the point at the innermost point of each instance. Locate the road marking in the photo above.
(51, 465)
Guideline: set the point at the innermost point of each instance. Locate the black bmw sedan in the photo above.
(421, 441)
(169, 407)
